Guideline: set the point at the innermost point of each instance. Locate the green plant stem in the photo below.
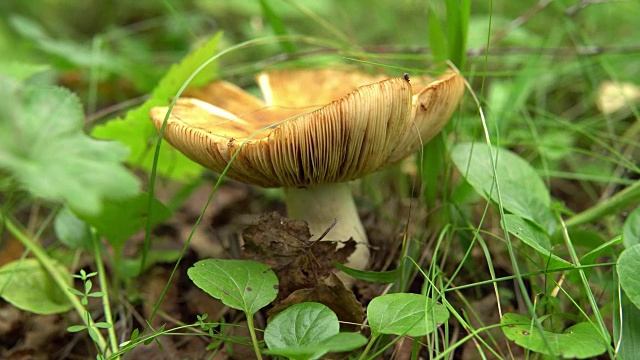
(49, 266)
(254, 338)
(624, 198)
(585, 282)
(368, 348)
(104, 286)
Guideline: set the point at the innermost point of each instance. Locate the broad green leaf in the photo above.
(631, 229)
(627, 333)
(405, 314)
(241, 284)
(537, 239)
(628, 272)
(384, 277)
(308, 331)
(579, 341)
(301, 324)
(27, 286)
(138, 132)
(120, 219)
(344, 341)
(43, 146)
(72, 231)
(522, 191)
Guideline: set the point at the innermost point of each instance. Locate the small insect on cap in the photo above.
(313, 126)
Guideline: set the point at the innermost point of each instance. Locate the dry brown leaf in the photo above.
(284, 246)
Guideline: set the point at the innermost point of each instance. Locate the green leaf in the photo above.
(631, 229)
(21, 70)
(628, 269)
(77, 54)
(405, 314)
(308, 331)
(627, 334)
(344, 341)
(76, 328)
(523, 192)
(43, 147)
(120, 219)
(130, 267)
(27, 286)
(535, 238)
(138, 132)
(72, 231)
(383, 277)
(579, 341)
(241, 284)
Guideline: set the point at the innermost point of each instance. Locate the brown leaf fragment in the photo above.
(332, 293)
(284, 246)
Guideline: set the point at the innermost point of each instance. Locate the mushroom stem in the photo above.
(319, 205)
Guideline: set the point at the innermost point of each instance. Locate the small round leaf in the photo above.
(308, 331)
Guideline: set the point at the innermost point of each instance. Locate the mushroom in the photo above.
(314, 131)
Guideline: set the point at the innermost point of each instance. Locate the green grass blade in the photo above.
(277, 25)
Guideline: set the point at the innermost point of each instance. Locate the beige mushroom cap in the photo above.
(315, 126)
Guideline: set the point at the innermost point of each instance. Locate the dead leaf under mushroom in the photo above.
(284, 246)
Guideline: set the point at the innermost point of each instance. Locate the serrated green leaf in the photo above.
(628, 270)
(138, 132)
(537, 239)
(522, 191)
(405, 314)
(308, 331)
(74, 53)
(631, 229)
(579, 341)
(43, 147)
(120, 219)
(241, 284)
(27, 286)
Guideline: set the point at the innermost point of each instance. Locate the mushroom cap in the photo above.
(314, 126)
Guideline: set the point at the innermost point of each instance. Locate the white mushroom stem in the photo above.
(319, 205)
